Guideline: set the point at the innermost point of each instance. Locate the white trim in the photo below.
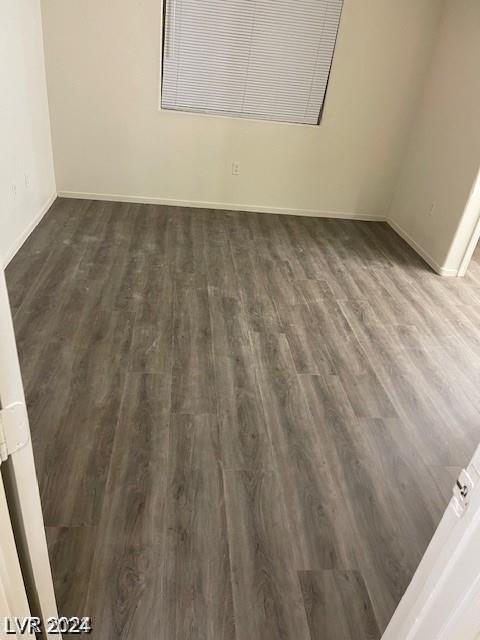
(471, 246)
(13, 597)
(230, 206)
(24, 235)
(443, 271)
(226, 206)
(472, 210)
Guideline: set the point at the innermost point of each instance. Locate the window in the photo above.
(266, 59)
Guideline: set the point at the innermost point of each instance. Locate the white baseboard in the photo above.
(24, 235)
(227, 206)
(441, 270)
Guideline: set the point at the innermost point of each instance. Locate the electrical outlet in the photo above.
(431, 211)
(26, 179)
(13, 190)
(235, 168)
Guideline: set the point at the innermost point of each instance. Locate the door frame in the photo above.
(20, 480)
(13, 597)
(471, 210)
(472, 245)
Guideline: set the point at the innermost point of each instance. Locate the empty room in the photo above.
(240, 319)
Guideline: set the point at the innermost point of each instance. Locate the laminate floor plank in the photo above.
(414, 400)
(338, 606)
(307, 483)
(245, 263)
(72, 486)
(190, 248)
(261, 313)
(307, 251)
(308, 348)
(278, 283)
(377, 541)
(193, 390)
(280, 244)
(130, 540)
(196, 600)
(244, 425)
(221, 272)
(266, 592)
(230, 336)
(243, 434)
(414, 515)
(152, 341)
(272, 352)
(71, 551)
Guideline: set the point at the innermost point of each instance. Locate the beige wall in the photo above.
(109, 138)
(27, 180)
(443, 154)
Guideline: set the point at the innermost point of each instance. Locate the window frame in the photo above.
(230, 116)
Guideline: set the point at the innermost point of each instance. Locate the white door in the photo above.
(443, 599)
(13, 597)
(20, 481)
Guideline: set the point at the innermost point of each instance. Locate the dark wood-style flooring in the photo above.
(246, 426)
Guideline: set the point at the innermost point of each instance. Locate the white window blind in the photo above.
(267, 59)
